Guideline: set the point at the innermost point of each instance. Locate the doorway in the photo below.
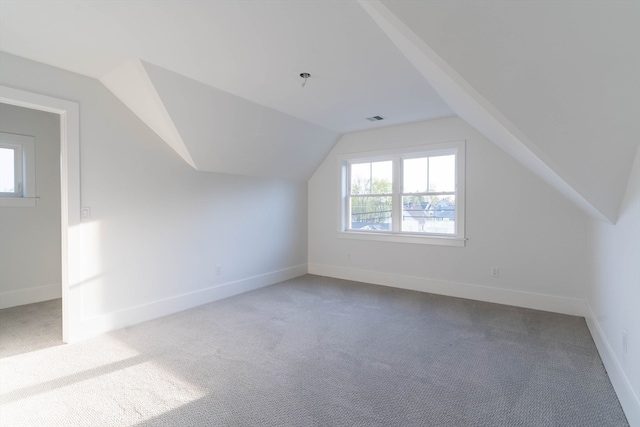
(68, 113)
(30, 246)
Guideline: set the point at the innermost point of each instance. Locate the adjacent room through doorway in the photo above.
(30, 226)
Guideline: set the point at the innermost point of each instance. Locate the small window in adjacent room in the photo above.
(413, 195)
(17, 170)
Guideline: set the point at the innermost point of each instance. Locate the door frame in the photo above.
(69, 113)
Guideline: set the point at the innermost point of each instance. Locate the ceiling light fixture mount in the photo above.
(305, 76)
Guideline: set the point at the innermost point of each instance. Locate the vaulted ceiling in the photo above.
(555, 84)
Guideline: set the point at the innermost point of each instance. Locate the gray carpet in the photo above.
(315, 351)
(30, 327)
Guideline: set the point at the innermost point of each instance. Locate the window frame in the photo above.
(397, 155)
(24, 172)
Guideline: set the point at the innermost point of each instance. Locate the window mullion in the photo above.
(347, 211)
(396, 199)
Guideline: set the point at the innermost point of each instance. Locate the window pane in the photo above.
(416, 174)
(7, 170)
(381, 177)
(371, 178)
(429, 214)
(360, 178)
(442, 173)
(370, 213)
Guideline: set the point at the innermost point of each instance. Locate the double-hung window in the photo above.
(415, 195)
(17, 170)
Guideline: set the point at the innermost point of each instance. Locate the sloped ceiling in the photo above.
(226, 133)
(216, 131)
(555, 84)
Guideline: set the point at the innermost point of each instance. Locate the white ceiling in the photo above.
(253, 49)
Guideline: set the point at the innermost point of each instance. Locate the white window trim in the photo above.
(457, 147)
(27, 144)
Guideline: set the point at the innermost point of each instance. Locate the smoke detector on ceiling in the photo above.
(375, 118)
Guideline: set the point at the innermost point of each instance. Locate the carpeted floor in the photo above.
(30, 327)
(315, 351)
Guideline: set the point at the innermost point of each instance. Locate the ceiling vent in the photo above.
(375, 118)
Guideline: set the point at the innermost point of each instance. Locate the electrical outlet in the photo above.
(85, 213)
(218, 270)
(624, 342)
(495, 271)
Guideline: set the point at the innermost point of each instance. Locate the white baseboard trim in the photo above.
(97, 325)
(556, 304)
(621, 384)
(30, 295)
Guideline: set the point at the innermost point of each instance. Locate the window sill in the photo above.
(403, 238)
(17, 202)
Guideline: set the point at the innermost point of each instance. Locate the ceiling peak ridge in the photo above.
(131, 84)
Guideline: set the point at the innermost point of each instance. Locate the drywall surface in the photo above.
(513, 221)
(158, 228)
(217, 131)
(565, 74)
(30, 265)
(614, 295)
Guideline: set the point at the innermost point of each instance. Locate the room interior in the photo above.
(195, 165)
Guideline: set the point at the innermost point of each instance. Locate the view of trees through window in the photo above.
(371, 195)
(427, 192)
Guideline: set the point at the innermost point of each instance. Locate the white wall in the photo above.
(158, 227)
(30, 266)
(614, 295)
(513, 220)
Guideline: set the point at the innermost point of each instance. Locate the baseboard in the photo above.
(30, 295)
(621, 384)
(556, 304)
(97, 325)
